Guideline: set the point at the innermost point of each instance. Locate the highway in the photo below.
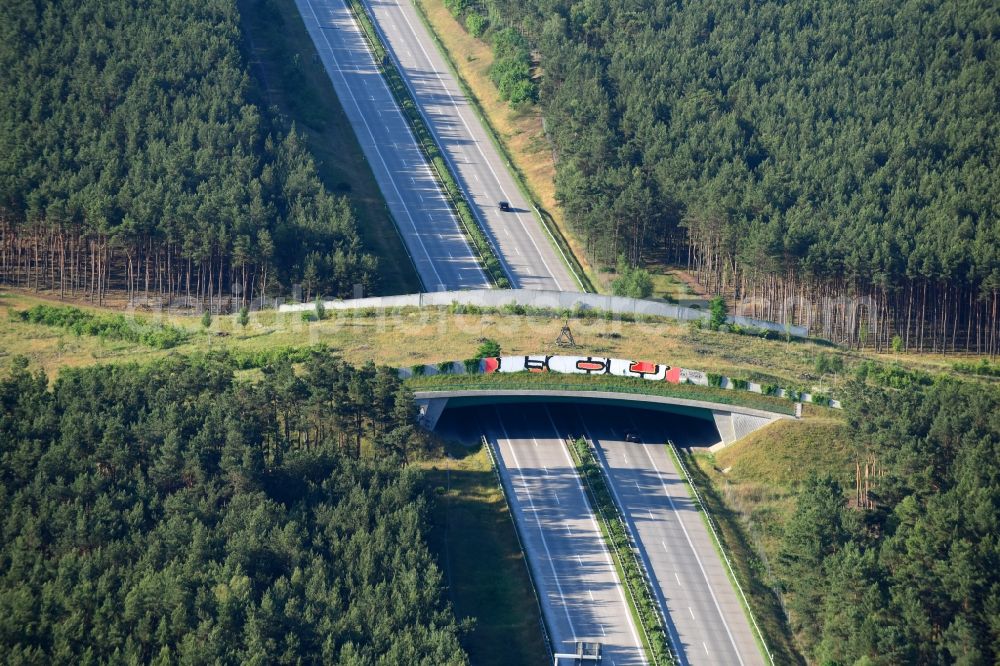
(578, 587)
(528, 254)
(429, 227)
(707, 622)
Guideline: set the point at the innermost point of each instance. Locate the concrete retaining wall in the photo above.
(553, 300)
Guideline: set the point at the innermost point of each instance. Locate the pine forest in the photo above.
(131, 159)
(826, 163)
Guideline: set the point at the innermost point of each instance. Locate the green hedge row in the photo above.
(473, 232)
(569, 382)
(109, 327)
(618, 540)
(259, 358)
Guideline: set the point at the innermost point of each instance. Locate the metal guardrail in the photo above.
(642, 568)
(378, 41)
(722, 549)
(546, 635)
(466, 196)
(571, 261)
(633, 542)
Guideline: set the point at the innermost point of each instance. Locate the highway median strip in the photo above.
(552, 229)
(720, 548)
(489, 256)
(640, 596)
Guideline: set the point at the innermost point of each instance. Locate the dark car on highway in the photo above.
(504, 206)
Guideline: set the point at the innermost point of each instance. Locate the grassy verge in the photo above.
(749, 490)
(488, 255)
(290, 76)
(642, 604)
(403, 338)
(473, 536)
(555, 381)
(552, 228)
(518, 133)
(722, 550)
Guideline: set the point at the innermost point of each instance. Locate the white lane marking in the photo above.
(614, 489)
(541, 530)
(678, 579)
(357, 32)
(591, 593)
(664, 545)
(579, 560)
(650, 512)
(701, 566)
(469, 133)
(691, 611)
(604, 549)
(705, 646)
(602, 630)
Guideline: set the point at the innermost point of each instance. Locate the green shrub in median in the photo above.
(477, 239)
(618, 540)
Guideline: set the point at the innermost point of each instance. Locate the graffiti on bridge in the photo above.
(594, 365)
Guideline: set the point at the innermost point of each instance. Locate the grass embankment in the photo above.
(473, 537)
(487, 254)
(290, 75)
(641, 603)
(407, 337)
(556, 381)
(749, 488)
(519, 133)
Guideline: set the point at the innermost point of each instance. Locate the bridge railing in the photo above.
(720, 545)
(495, 466)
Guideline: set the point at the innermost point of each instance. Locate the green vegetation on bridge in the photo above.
(544, 381)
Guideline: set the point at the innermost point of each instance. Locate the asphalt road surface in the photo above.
(578, 587)
(528, 254)
(430, 230)
(707, 622)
